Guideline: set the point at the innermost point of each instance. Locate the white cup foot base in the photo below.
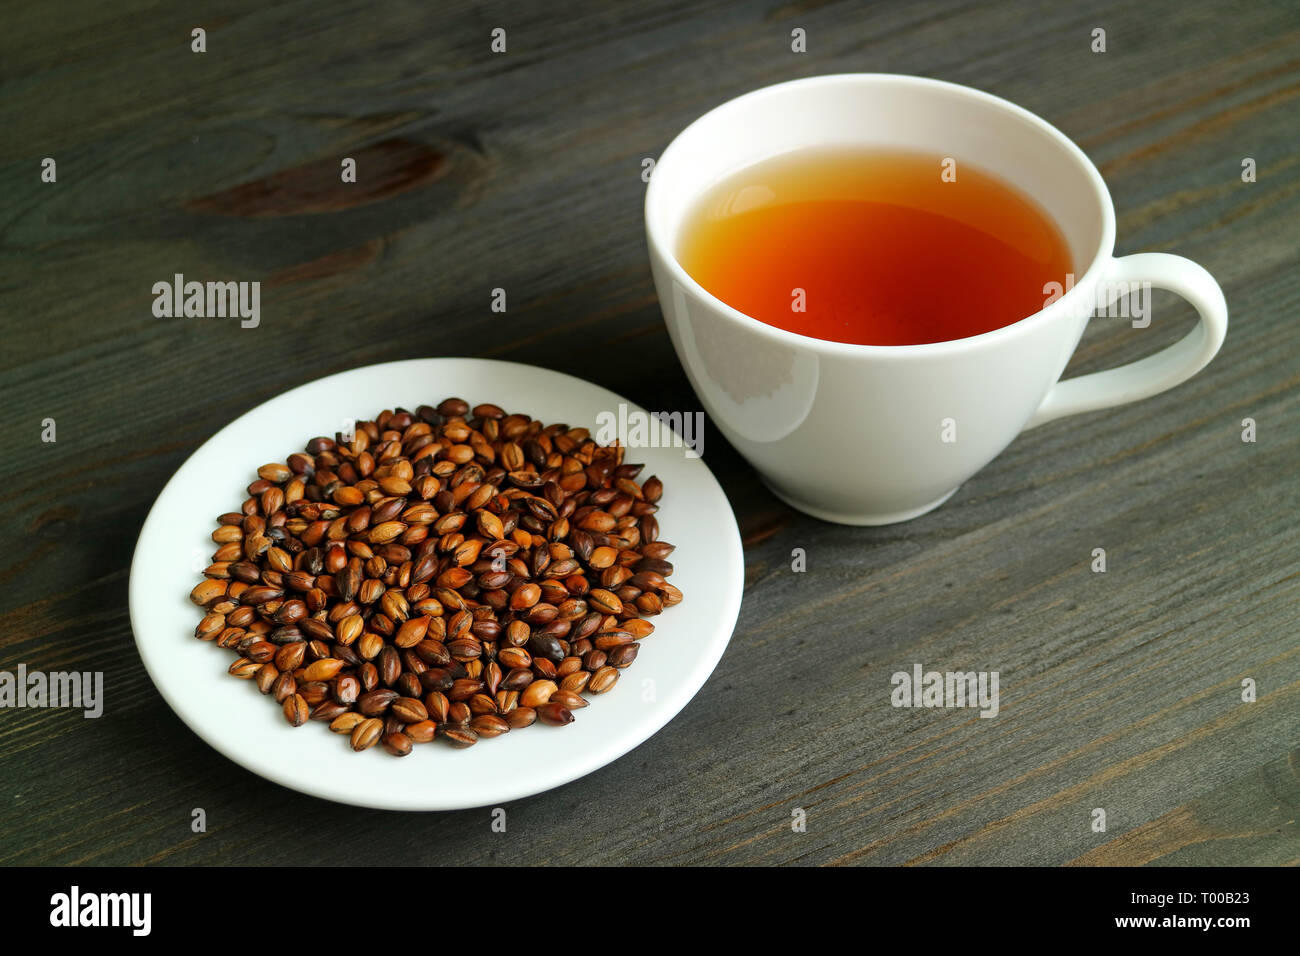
(837, 517)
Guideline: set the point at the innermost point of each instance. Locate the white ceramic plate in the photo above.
(247, 727)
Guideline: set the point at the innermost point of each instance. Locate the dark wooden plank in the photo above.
(1119, 691)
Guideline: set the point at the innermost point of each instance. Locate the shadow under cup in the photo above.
(853, 433)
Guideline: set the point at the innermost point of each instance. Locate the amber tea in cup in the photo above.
(839, 304)
(873, 246)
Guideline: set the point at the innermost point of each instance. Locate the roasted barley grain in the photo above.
(450, 572)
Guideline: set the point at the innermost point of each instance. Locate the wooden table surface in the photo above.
(1119, 690)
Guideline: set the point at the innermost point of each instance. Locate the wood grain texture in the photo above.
(522, 171)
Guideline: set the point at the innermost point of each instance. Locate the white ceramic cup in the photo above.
(862, 434)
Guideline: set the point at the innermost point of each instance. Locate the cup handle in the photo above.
(1155, 373)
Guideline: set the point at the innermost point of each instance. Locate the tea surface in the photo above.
(873, 247)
